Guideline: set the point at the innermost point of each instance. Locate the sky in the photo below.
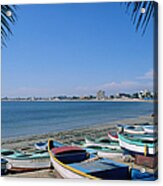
(76, 49)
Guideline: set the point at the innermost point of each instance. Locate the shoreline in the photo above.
(71, 135)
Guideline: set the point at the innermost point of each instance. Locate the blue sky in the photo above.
(76, 49)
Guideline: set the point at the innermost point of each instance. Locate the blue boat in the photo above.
(75, 162)
(44, 145)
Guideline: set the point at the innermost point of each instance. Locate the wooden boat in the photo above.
(134, 129)
(137, 146)
(145, 137)
(103, 142)
(150, 129)
(44, 145)
(112, 135)
(100, 151)
(75, 162)
(8, 152)
(3, 166)
(139, 175)
(41, 145)
(27, 162)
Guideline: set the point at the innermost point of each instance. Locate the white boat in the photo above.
(134, 129)
(151, 129)
(102, 142)
(100, 151)
(138, 146)
(28, 162)
(113, 135)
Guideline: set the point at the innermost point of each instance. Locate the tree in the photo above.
(8, 17)
(140, 20)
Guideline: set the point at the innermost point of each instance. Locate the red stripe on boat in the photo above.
(113, 134)
(65, 149)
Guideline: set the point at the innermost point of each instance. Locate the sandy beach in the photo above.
(26, 143)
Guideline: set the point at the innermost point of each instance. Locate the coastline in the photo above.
(85, 100)
(71, 135)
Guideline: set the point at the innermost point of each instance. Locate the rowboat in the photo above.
(103, 142)
(41, 145)
(137, 174)
(8, 152)
(44, 145)
(113, 136)
(145, 137)
(151, 129)
(75, 162)
(28, 162)
(3, 166)
(137, 146)
(135, 129)
(104, 152)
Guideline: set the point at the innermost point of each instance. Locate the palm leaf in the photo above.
(140, 20)
(6, 22)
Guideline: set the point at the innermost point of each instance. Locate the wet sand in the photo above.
(26, 143)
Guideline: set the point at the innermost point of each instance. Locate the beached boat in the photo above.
(142, 175)
(103, 142)
(44, 145)
(27, 162)
(145, 137)
(137, 146)
(150, 129)
(41, 145)
(100, 151)
(113, 135)
(134, 129)
(3, 166)
(75, 162)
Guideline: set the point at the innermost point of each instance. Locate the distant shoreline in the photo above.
(93, 100)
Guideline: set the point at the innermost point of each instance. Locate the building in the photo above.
(100, 95)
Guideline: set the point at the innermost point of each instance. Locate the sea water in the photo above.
(28, 118)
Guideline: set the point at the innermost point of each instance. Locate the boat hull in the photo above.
(28, 165)
(136, 149)
(92, 143)
(65, 173)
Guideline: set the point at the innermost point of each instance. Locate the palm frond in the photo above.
(140, 20)
(7, 21)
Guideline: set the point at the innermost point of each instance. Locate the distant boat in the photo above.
(103, 142)
(113, 136)
(137, 146)
(44, 145)
(3, 166)
(142, 176)
(101, 151)
(41, 145)
(151, 129)
(134, 129)
(75, 162)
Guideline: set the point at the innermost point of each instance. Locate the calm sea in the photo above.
(26, 118)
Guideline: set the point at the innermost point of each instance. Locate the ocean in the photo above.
(28, 118)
